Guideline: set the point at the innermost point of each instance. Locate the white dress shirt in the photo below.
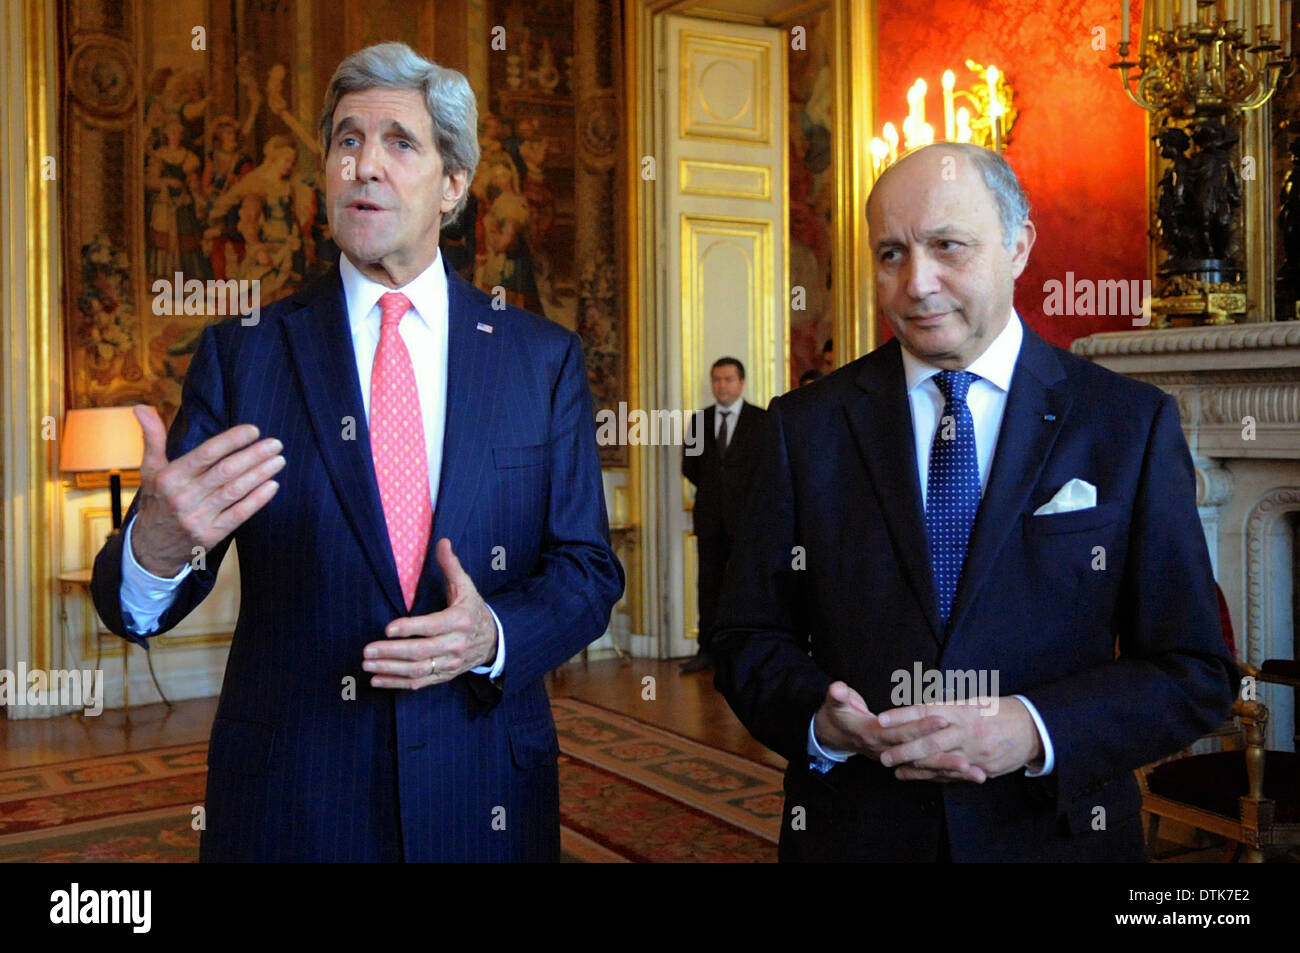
(424, 330)
(987, 400)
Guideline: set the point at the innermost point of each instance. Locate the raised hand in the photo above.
(200, 498)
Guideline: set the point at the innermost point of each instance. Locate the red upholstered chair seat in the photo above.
(1217, 782)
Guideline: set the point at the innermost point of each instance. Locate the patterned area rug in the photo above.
(629, 792)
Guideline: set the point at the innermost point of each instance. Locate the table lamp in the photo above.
(99, 439)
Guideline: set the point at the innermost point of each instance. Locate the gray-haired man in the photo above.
(422, 527)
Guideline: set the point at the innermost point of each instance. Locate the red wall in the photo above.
(1078, 144)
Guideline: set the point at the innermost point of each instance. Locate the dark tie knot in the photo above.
(954, 385)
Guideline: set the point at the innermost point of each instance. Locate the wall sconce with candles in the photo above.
(983, 114)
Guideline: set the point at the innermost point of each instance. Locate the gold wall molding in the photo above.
(739, 180)
(749, 239)
(32, 326)
(713, 68)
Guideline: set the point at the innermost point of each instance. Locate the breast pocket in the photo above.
(1078, 521)
(510, 458)
(1066, 550)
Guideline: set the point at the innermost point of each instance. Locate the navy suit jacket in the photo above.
(307, 761)
(1106, 619)
(722, 482)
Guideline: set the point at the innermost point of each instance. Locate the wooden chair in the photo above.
(1250, 795)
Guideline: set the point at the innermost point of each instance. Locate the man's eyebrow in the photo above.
(946, 230)
(396, 128)
(346, 124)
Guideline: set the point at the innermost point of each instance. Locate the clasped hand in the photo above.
(945, 742)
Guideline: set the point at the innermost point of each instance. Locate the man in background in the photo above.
(721, 473)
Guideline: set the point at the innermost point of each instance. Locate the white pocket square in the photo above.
(1075, 495)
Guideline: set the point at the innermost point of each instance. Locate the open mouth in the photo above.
(365, 207)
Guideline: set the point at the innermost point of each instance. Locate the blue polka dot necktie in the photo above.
(952, 494)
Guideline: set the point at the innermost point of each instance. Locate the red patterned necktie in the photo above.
(397, 446)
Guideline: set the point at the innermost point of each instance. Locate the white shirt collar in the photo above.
(995, 365)
(427, 292)
(731, 406)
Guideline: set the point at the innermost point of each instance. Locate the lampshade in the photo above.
(101, 438)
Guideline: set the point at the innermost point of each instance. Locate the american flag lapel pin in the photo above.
(485, 327)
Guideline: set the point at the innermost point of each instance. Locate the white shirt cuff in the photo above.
(494, 670)
(145, 597)
(823, 759)
(1049, 755)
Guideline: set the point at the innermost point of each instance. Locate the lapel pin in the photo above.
(1049, 417)
(485, 327)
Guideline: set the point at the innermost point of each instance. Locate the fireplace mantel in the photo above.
(1237, 386)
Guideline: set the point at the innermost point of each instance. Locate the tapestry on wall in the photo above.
(190, 157)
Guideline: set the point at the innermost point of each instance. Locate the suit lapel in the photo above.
(881, 421)
(473, 394)
(320, 342)
(1039, 391)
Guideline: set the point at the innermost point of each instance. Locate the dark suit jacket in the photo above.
(722, 481)
(838, 477)
(459, 771)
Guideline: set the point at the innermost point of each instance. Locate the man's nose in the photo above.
(922, 276)
(370, 160)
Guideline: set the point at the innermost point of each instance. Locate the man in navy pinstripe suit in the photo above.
(384, 695)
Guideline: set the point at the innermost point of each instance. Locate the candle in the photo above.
(1188, 13)
(1123, 36)
(949, 120)
(891, 136)
(879, 151)
(1284, 25)
(916, 103)
(963, 125)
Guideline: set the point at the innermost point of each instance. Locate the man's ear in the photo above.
(453, 187)
(1020, 251)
